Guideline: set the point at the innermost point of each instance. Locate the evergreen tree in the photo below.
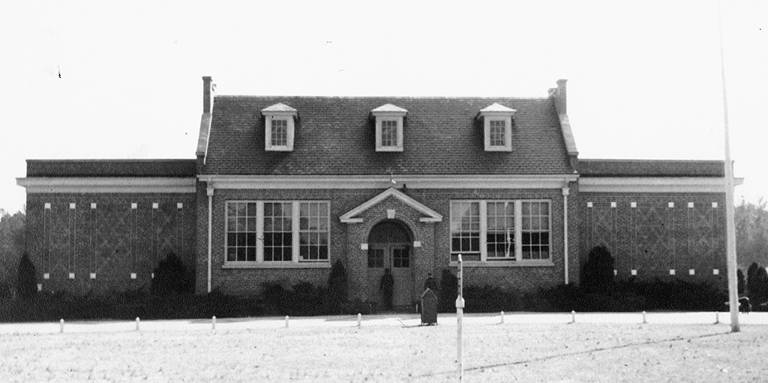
(597, 274)
(26, 284)
(449, 290)
(171, 277)
(337, 287)
(740, 281)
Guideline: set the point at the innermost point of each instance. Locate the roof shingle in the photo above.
(111, 168)
(650, 168)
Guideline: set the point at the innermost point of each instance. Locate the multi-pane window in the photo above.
(498, 129)
(278, 231)
(535, 230)
(400, 258)
(375, 258)
(499, 230)
(279, 132)
(500, 238)
(313, 231)
(241, 231)
(465, 227)
(389, 133)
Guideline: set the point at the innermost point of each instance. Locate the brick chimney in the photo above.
(208, 88)
(561, 97)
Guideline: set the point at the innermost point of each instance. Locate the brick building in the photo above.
(282, 187)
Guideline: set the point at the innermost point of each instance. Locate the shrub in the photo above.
(449, 285)
(306, 299)
(483, 299)
(171, 277)
(275, 296)
(26, 283)
(128, 305)
(597, 275)
(337, 287)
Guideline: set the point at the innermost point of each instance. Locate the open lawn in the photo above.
(533, 347)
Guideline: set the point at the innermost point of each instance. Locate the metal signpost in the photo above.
(459, 317)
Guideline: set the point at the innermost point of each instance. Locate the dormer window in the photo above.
(389, 128)
(279, 131)
(497, 127)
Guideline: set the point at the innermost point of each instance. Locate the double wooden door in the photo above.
(397, 258)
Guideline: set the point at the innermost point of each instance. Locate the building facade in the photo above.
(282, 187)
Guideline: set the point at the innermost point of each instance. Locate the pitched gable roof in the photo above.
(336, 136)
(429, 214)
(389, 108)
(497, 108)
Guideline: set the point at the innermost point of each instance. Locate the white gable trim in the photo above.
(431, 215)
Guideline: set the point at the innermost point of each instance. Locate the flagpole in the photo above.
(733, 297)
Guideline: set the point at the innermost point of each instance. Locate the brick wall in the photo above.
(653, 237)
(113, 240)
(346, 239)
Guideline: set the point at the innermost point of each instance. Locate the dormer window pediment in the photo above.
(389, 128)
(497, 127)
(279, 127)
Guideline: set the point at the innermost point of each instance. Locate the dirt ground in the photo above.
(387, 350)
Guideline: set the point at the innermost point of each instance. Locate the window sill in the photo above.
(286, 265)
(498, 149)
(278, 149)
(546, 263)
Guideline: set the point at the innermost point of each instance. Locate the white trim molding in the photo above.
(430, 215)
(438, 181)
(653, 184)
(108, 184)
(529, 263)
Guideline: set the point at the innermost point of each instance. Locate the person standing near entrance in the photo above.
(430, 283)
(387, 287)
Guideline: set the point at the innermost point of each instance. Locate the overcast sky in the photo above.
(644, 76)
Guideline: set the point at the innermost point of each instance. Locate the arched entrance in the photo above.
(389, 247)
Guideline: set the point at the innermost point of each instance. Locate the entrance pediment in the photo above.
(428, 215)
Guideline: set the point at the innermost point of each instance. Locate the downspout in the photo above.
(566, 191)
(210, 225)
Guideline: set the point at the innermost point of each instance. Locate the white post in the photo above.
(210, 230)
(566, 191)
(359, 318)
(286, 321)
(573, 316)
(733, 293)
(717, 317)
(459, 320)
(502, 317)
(644, 321)
(137, 323)
(213, 323)
(61, 326)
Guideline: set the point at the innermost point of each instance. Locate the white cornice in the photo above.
(653, 184)
(430, 215)
(107, 184)
(384, 181)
